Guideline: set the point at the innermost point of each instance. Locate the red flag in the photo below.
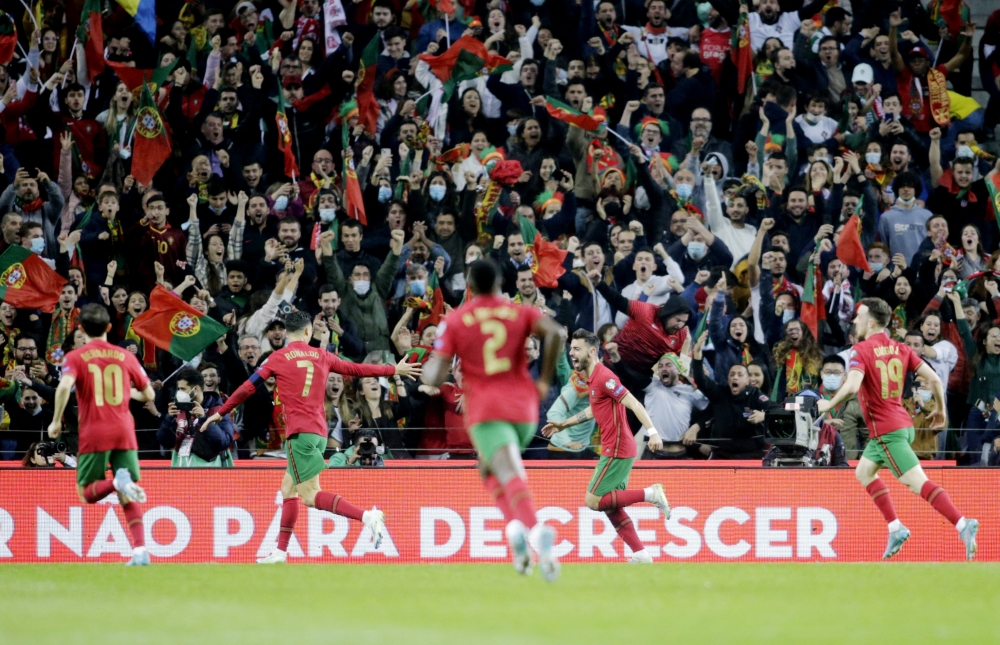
(285, 137)
(8, 38)
(90, 33)
(353, 201)
(546, 257)
(151, 145)
(741, 53)
(813, 309)
(368, 108)
(27, 282)
(849, 249)
(470, 63)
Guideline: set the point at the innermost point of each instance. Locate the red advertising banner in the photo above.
(443, 515)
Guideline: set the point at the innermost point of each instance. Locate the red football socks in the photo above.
(289, 514)
(97, 491)
(621, 499)
(938, 498)
(495, 489)
(337, 505)
(133, 516)
(623, 525)
(880, 495)
(522, 506)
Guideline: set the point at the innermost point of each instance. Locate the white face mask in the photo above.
(786, 315)
(905, 202)
(873, 157)
(925, 395)
(327, 215)
(832, 382)
(964, 151)
(641, 199)
(281, 203)
(696, 250)
(362, 287)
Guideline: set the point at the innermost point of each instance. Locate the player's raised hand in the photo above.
(409, 370)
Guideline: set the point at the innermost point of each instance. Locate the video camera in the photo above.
(792, 432)
(368, 452)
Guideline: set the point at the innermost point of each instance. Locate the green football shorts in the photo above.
(490, 436)
(305, 456)
(93, 466)
(610, 474)
(893, 451)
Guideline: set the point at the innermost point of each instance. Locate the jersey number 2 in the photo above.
(497, 337)
(108, 385)
(891, 372)
(309, 367)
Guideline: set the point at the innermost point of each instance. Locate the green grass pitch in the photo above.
(490, 604)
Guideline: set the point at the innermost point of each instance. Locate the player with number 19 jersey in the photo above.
(488, 334)
(885, 362)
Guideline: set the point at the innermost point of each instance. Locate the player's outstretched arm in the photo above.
(435, 371)
(143, 396)
(553, 427)
(846, 391)
(64, 389)
(639, 410)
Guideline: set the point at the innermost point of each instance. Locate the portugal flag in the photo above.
(8, 38)
(466, 59)
(151, 146)
(741, 53)
(353, 201)
(567, 114)
(849, 249)
(27, 282)
(546, 257)
(133, 77)
(993, 185)
(813, 309)
(90, 33)
(285, 137)
(175, 326)
(368, 108)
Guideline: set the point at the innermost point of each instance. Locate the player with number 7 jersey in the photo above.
(106, 378)
(300, 373)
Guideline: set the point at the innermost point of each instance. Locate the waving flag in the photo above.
(567, 114)
(368, 109)
(175, 326)
(285, 137)
(741, 53)
(353, 201)
(144, 12)
(813, 309)
(152, 145)
(993, 185)
(466, 59)
(26, 282)
(90, 33)
(953, 14)
(133, 77)
(8, 38)
(849, 248)
(546, 257)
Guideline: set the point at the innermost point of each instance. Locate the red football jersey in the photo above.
(606, 395)
(300, 373)
(488, 334)
(105, 374)
(642, 341)
(884, 363)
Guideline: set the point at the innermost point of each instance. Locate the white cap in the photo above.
(243, 6)
(863, 73)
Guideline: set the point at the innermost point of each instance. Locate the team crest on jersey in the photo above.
(610, 384)
(184, 324)
(148, 123)
(14, 277)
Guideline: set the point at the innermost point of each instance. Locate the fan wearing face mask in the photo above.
(902, 226)
(958, 193)
(698, 249)
(846, 417)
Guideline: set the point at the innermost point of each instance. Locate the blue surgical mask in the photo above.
(964, 151)
(684, 191)
(384, 194)
(905, 202)
(873, 157)
(925, 395)
(787, 315)
(215, 210)
(832, 382)
(876, 266)
(281, 203)
(437, 192)
(361, 287)
(512, 130)
(418, 287)
(327, 215)
(38, 245)
(696, 250)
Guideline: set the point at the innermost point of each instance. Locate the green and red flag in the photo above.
(813, 309)
(546, 257)
(175, 326)
(27, 282)
(567, 114)
(134, 78)
(993, 185)
(151, 146)
(953, 14)
(430, 307)
(285, 137)
(368, 109)
(741, 54)
(90, 34)
(849, 248)
(466, 59)
(8, 38)
(353, 201)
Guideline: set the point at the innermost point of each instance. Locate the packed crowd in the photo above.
(695, 163)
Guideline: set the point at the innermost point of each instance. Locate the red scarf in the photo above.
(656, 31)
(36, 205)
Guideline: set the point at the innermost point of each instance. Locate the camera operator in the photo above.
(192, 443)
(46, 454)
(365, 450)
(738, 407)
(30, 420)
(847, 417)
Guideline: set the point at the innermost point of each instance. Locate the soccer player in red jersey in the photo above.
(878, 369)
(609, 400)
(300, 373)
(104, 376)
(488, 334)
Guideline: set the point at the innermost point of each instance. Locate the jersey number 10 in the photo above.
(891, 373)
(109, 386)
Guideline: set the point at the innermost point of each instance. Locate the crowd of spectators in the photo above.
(693, 206)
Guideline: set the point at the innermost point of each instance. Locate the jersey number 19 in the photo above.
(891, 373)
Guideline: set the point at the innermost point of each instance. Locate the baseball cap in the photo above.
(277, 323)
(245, 6)
(863, 73)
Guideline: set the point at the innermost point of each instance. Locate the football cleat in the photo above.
(642, 557)
(140, 559)
(375, 521)
(544, 538)
(123, 484)
(517, 538)
(896, 540)
(968, 536)
(277, 557)
(660, 500)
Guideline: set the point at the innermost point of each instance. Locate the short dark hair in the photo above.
(215, 186)
(192, 377)
(484, 275)
(826, 39)
(691, 60)
(835, 15)
(835, 358)
(879, 310)
(26, 228)
(237, 265)
(588, 337)
(25, 336)
(325, 289)
(352, 223)
(297, 321)
(94, 319)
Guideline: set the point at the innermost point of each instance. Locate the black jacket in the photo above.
(211, 441)
(736, 438)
